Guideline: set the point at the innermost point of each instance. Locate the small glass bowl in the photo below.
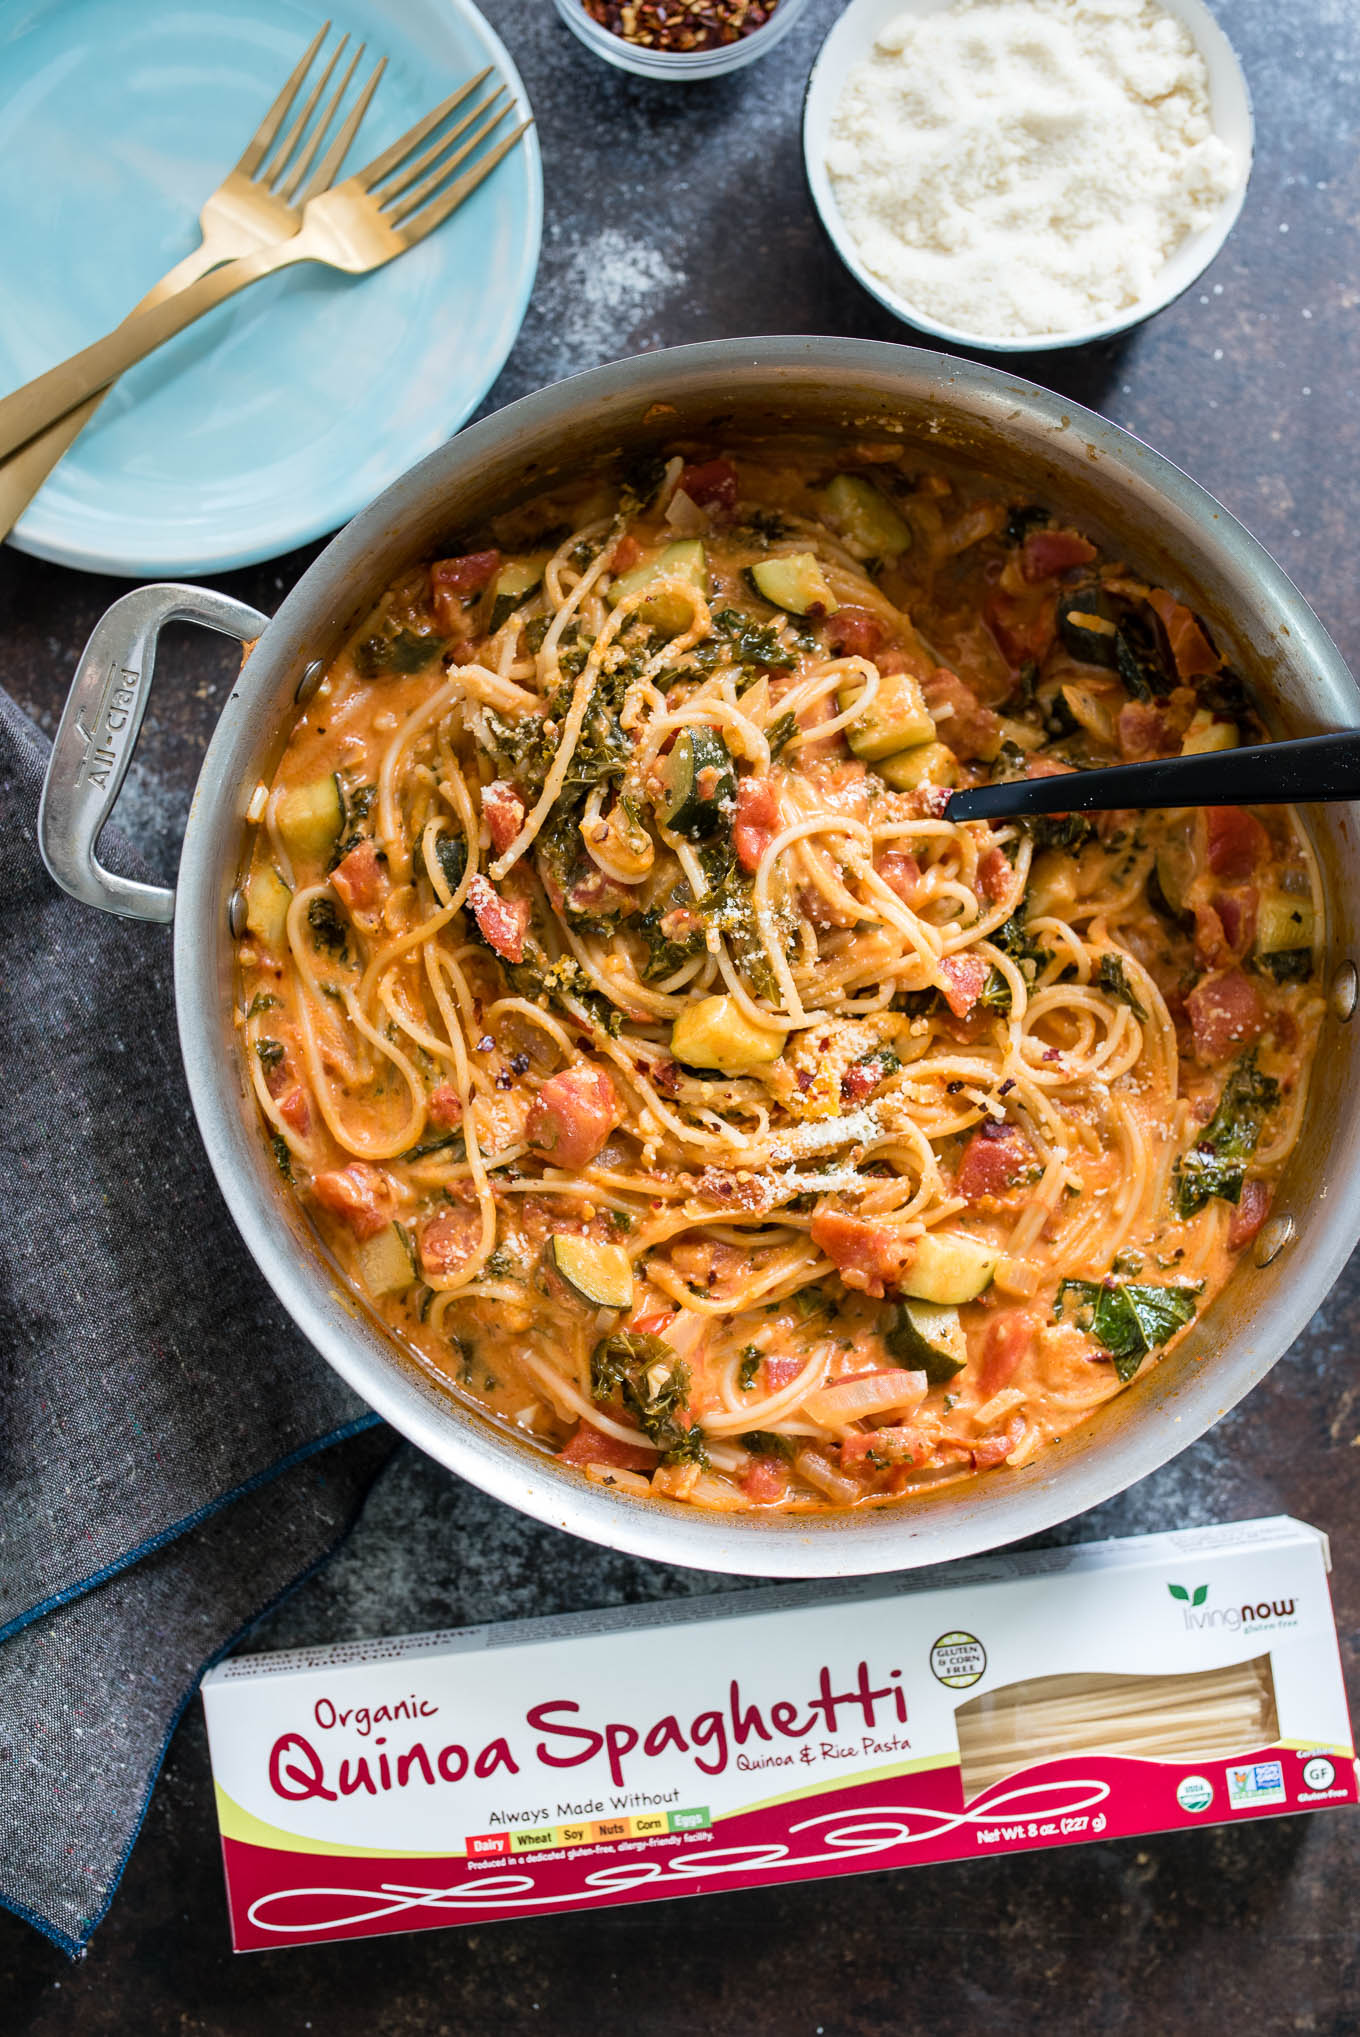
(678, 65)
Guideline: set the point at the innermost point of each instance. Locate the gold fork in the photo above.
(355, 226)
(257, 203)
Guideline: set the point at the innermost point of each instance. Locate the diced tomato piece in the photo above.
(626, 553)
(856, 632)
(962, 722)
(449, 1240)
(655, 1324)
(1023, 625)
(362, 1195)
(359, 877)
(965, 977)
(1195, 656)
(901, 873)
(764, 1480)
(295, 1111)
(503, 810)
(996, 1449)
(865, 1254)
(1237, 916)
(995, 1160)
(861, 1080)
(1008, 1339)
(781, 1372)
(1236, 842)
(1252, 1210)
(895, 1444)
(278, 1074)
(713, 485)
(1144, 731)
(573, 1114)
(445, 1106)
(994, 873)
(1225, 1013)
(593, 1446)
(468, 574)
(1047, 552)
(757, 821)
(1047, 767)
(503, 921)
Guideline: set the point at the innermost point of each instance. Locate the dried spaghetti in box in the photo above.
(780, 1735)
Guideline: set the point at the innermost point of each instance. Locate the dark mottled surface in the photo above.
(676, 216)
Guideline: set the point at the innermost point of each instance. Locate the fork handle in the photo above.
(30, 410)
(23, 473)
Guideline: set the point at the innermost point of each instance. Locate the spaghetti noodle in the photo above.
(1206, 1715)
(677, 1083)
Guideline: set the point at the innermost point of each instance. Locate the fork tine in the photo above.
(298, 170)
(437, 148)
(278, 161)
(438, 210)
(429, 185)
(324, 175)
(373, 173)
(278, 112)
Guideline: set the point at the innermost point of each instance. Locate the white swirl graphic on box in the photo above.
(871, 1828)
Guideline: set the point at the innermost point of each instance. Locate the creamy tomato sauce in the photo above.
(674, 1080)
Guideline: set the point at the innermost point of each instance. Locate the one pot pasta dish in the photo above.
(676, 1082)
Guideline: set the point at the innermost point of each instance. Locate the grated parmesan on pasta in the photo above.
(1015, 167)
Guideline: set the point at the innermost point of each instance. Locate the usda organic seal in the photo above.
(1194, 1793)
(958, 1660)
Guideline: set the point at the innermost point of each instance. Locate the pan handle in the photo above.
(98, 734)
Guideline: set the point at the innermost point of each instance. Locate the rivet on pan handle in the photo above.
(98, 734)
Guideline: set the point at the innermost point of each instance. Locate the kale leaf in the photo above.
(765, 1443)
(328, 929)
(745, 641)
(1113, 979)
(395, 650)
(781, 732)
(654, 1387)
(1128, 1319)
(1217, 1162)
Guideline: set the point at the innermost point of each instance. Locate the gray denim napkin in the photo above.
(157, 1408)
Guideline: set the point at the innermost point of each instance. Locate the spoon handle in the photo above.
(1268, 774)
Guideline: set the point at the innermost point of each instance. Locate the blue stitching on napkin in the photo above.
(74, 1947)
(178, 1528)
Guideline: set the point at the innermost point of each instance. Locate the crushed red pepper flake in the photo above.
(681, 24)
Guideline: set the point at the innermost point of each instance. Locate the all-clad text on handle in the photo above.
(98, 734)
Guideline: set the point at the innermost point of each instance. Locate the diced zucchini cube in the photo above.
(896, 719)
(795, 583)
(716, 1033)
(1284, 922)
(385, 1263)
(927, 764)
(599, 1275)
(948, 1268)
(267, 901)
(1206, 734)
(311, 817)
(871, 527)
(668, 610)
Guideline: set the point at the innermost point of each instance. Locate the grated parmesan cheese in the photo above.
(1018, 167)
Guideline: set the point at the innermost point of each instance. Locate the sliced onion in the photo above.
(816, 1470)
(869, 1393)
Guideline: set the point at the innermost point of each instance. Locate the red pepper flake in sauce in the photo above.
(681, 25)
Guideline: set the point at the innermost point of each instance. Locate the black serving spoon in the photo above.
(1268, 774)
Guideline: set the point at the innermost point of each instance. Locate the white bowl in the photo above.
(852, 39)
(679, 66)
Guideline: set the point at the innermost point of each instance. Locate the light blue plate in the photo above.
(283, 412)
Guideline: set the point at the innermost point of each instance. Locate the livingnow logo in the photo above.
(1232, 1617)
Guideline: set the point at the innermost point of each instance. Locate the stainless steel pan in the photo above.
(1134, 501)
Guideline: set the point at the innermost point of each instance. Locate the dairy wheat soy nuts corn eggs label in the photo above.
(1015, 168)
(778, 1735)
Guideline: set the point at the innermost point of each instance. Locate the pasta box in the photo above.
(998, 1705)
